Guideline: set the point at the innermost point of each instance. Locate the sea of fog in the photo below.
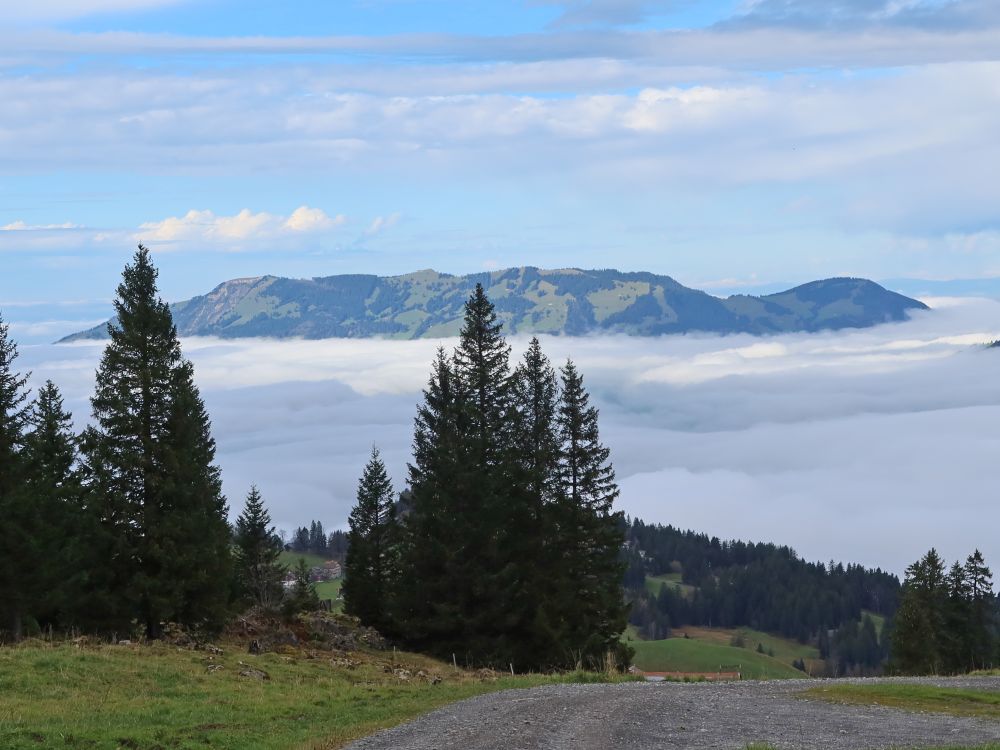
(864, 445)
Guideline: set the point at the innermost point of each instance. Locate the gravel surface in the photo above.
(693, 716)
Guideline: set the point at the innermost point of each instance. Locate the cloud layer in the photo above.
(868, 445)
(200, 227)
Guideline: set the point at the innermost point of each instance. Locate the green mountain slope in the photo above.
(528, 300)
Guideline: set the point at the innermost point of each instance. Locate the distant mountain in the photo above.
(528, 300)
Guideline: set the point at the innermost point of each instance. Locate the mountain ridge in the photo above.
(570, 301)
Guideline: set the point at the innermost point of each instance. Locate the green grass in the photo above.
(164, 697)
(946, 700)
(653, 583)
(330, 590)
(878, 620)
(785, 649)
(291, 559)
(690, 655)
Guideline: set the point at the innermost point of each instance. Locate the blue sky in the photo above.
(734, 144)
(729, 144)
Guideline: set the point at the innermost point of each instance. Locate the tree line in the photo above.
(947, 619)
(734, 584)
(313, 539)
(505, 547)
(124, 526)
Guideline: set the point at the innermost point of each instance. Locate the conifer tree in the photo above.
(427, 608)
(300, 540)
(534, 489)
(16, 512)
(955, 635)
(302, 597)
(981, 625)
(149, 460)
(59, 556)
(536, 392)
(918, 639)
(506, 561)
(590, 534)
(258, 549)
(369, 565)
(499, 561)
(482, 363)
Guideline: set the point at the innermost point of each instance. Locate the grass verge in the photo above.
(159, 696)
(946, 700)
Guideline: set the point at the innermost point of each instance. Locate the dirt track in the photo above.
(693, 716)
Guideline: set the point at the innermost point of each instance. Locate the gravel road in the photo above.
(693, 716)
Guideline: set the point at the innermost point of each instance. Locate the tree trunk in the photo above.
(154, 629)
(16, 626)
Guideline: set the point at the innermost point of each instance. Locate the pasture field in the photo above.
(291, 559)
(160, 696)
(785, 649)
(690, 655)
(330, 590)
(653, 583)
(878, 620)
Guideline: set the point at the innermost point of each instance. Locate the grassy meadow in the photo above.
(707, 649)
(690, 655)
(160, 696)
(653, 583)
(291, 559)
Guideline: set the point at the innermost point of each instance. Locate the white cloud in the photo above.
(204, 226)
(864, 445)
(20, 226)
(577, 13)
(305, 219)
(867, 141)
(381, 223)
(58, 10)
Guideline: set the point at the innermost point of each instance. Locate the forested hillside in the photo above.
(704, 581)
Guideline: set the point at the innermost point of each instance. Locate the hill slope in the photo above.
(528, 300)
(683, 655)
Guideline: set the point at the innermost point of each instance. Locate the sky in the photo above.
(729, 143)
(865, 446)
(732, 144)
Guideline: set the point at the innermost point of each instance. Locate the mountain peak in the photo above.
(570, 301)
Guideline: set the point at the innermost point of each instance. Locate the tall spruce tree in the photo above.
(981, 628)
(590, 531)
(59, 558)
(536, 391)
(533, 505)
(149, 458)
(369, 564)
(505, 562)
(955, 639)
(17, 513)
(427, 608)
(498, 557)
(919, 637)
(257, 553)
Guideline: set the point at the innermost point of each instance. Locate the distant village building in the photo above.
(329, 571)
